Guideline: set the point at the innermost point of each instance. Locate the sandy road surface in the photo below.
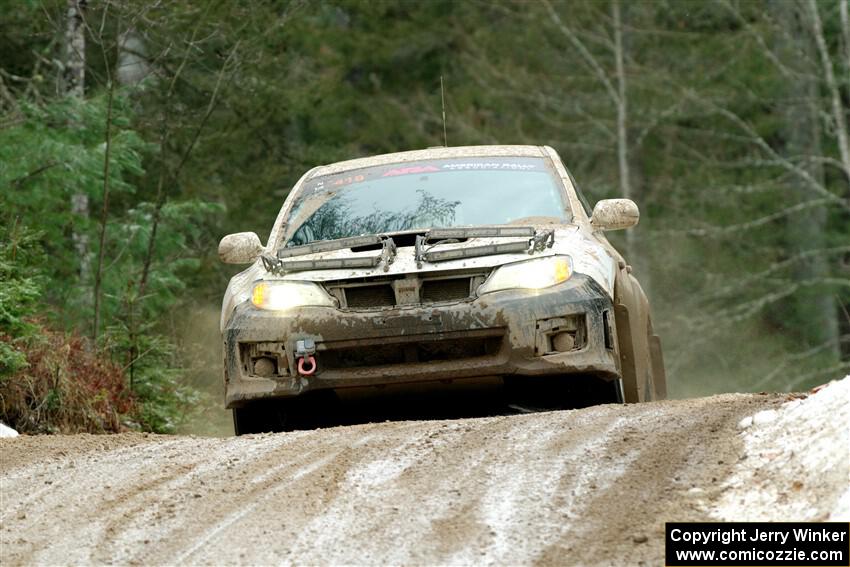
(591, 486)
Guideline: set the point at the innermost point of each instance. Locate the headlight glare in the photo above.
(532, 274)
(281, 295)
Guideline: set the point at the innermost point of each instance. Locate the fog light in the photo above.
(563, 342)
(264, 367)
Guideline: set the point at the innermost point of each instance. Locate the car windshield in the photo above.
(426, 194)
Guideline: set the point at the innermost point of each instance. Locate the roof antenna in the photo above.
(443, 98)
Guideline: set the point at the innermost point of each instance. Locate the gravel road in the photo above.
(591, 486)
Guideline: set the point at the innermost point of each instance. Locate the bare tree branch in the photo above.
(761, 221)
(830, 371)
(588, 58)
(104, 214)
(759, 141)
(768, 52)
(796, 357)
(751, 279)
(844, 12)
(6, 95)
(750, 308)
(17, 182)
(176, 172)
(839, 117)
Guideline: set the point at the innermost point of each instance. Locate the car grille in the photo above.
(366, 296)
(391, 292)
(445, 290)
(460, 348)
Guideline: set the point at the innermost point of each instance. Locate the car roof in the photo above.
(430, 153)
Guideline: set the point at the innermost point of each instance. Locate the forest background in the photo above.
(136, 133)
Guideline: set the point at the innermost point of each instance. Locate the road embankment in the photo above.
(571, 487)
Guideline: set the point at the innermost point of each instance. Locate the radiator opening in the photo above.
(359, 297)
(434, 291)
(410, 353)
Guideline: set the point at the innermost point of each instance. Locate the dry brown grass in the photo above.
(67, 388)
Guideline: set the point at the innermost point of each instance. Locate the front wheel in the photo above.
(259, 417)
(307, 411)
(659, 374)
(570, 391)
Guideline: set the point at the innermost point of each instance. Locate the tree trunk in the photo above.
(839, 112)
(132, 68)
(814, 312)
(75, 76)
(635, 252)
(75, 49)
(104, 215)
(622, 108)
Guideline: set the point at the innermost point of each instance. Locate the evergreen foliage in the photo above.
(722, 113)
(20, 272)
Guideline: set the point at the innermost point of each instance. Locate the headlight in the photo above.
(532, 274)
(280, 295)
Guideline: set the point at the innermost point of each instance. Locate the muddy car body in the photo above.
(435, 265)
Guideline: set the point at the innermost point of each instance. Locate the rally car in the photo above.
(435, 266)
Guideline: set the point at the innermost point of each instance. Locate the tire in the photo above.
(307, 411)
(569, 391)
(259, 417)
(593, 391)
(626, 349)
(659, 374)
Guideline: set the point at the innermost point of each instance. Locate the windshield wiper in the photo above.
(537, 242)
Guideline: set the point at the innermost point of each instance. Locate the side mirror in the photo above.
(240, 248)
(614, 214)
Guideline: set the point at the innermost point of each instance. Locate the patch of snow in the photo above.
(796, 462)
(6, 431)
(841, 511)
(765, 416)
(541, 493)
(352, 510)
(366, 476)
(379, 471)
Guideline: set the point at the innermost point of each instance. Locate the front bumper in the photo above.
(564, 329)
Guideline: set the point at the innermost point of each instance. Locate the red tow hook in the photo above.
(304, 350)
(311, 361)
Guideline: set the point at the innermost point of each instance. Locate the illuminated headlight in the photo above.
(280, 295)
(532, 274)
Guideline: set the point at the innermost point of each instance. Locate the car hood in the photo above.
(589, 258)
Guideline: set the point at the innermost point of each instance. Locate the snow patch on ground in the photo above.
(796, 462)
(6, 431)
(551, 494)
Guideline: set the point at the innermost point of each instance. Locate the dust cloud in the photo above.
(200, 348)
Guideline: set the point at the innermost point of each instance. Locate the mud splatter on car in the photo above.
(435, 266)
